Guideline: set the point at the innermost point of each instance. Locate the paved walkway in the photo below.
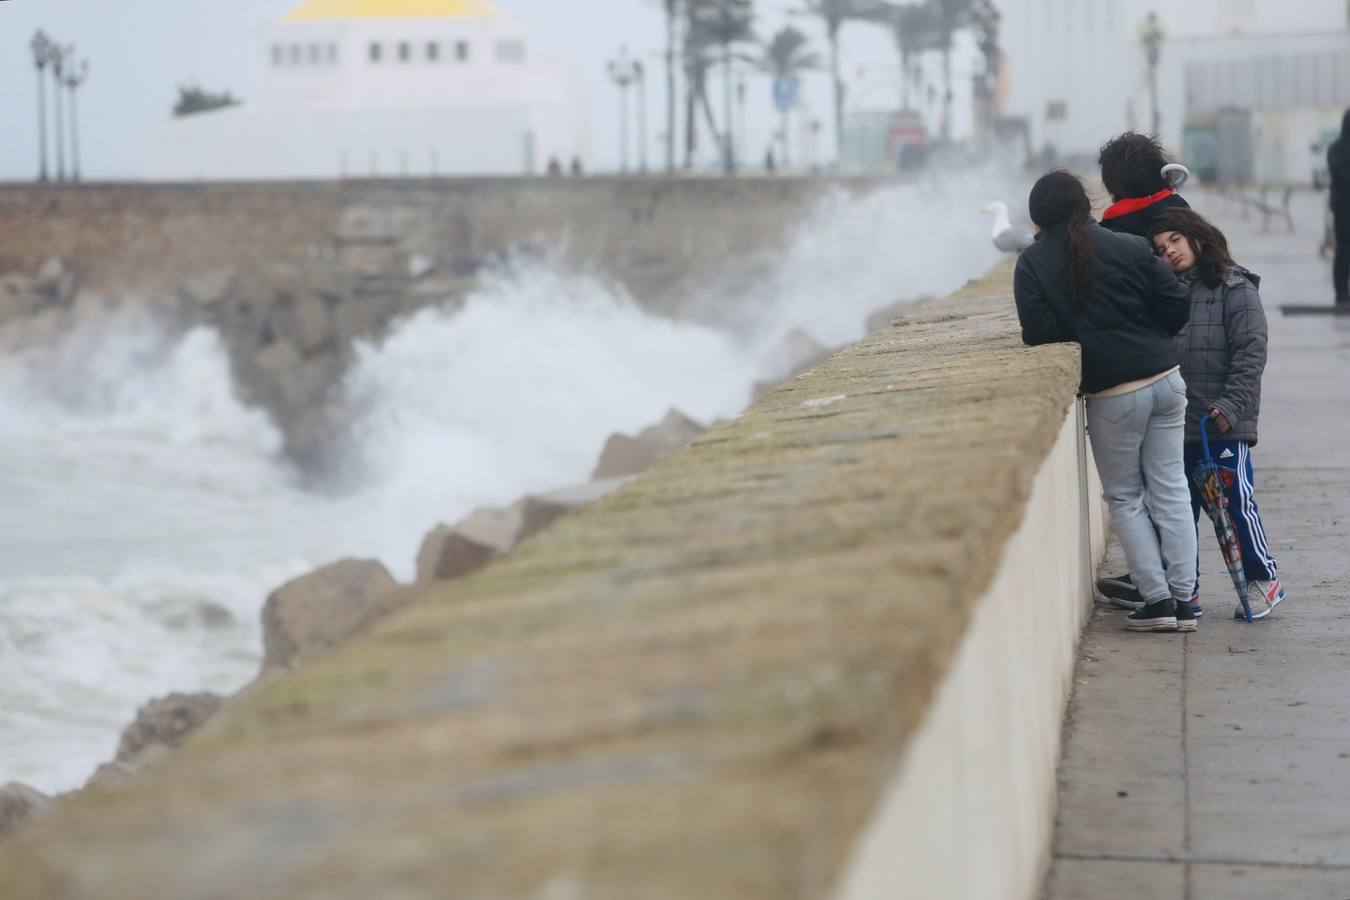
(1217, 765)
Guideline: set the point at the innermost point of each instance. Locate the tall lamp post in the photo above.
(1152, 37)
(74, 78)
(57, 55)
(623, 71)
(41, 47)
(642, 115)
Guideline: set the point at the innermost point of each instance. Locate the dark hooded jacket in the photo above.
(1126, 325)
(1135, 215)
(1223, 353)
(1338, 163)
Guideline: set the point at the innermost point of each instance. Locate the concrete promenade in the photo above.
(1217, 765)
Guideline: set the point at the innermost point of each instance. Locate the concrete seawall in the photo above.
(823, 652)
(292, 274)
(649, 233)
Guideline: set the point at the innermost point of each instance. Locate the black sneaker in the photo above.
(1160, 616)
(1186, 615)
(1120, 590)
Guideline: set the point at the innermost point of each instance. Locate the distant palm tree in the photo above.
(835, 13)
(948, 17)
(786, 57)
(713, 27)
(672, 9)
(913, 30)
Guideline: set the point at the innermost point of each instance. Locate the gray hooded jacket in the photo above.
(1223, 353)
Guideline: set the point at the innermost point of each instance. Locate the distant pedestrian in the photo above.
(1132, 171)
(577, 171)
(770, 162)
(1223, 356)
(554, 167)
(1113, 297)
(1338, 163)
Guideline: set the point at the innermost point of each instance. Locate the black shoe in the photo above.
(1186, 615)
(1160, 616)
(1120, 590)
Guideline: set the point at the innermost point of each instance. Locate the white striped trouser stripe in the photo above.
(1248, 510)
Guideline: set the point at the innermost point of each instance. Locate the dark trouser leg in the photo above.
(1340, 273)
(1257, 560)
(1192, 459)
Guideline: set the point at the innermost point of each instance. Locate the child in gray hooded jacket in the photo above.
(1223, 355)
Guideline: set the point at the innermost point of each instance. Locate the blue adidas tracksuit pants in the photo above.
(1234, 459)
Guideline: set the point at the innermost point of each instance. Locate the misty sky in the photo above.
(141, 50)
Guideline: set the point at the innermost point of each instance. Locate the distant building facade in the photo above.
(1076, 70)
(1266, 118)
(388, 88)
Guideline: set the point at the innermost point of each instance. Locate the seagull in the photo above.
(1006, 237)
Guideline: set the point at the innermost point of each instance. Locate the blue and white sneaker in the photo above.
(1263, 597)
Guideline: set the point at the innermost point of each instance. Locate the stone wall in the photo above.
(700, 686)
(650, 234)
(291, 274)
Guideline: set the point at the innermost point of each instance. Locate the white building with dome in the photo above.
(388, 88)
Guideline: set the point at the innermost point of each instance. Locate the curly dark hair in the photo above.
(1059, 199)
(1132, 165)
(1212, 259)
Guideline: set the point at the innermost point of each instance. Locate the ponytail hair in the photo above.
(1059, 199)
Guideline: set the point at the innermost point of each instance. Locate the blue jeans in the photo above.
(1136, 437)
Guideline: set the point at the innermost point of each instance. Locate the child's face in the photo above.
(1175, 250)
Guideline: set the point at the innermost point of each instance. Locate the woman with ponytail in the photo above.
(1111, 295)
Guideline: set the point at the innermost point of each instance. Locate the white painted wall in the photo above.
(335, 112)
(971, 811)
(1070, 51)
(1087, 53)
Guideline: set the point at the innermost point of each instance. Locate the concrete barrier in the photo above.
(653, 235)
(822, 652)
(971, 812)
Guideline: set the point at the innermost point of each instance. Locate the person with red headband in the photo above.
(1132, 170)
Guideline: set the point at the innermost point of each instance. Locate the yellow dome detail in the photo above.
(316, 10)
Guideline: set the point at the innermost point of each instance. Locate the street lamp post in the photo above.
(642, 116)
(741, 131)
(73, 80)
(623, 71)
(41, 47)
(58, 60)
(1152, 38)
